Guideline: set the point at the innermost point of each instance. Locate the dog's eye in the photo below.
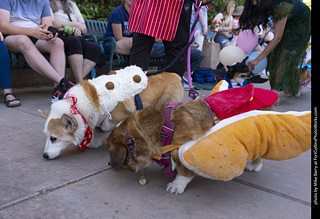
(53, 139)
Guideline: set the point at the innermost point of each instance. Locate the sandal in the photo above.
(9, 102)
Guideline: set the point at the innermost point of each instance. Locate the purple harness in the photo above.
(166, 135)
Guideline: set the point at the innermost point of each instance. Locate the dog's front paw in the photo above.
(174, 188)
(254, 165)
(178, 185)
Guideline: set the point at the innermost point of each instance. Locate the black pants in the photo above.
(74, 45)
(142, 45)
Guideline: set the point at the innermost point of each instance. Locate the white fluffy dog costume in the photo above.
(90, 103)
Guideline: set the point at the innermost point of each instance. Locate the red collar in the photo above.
(88, 132)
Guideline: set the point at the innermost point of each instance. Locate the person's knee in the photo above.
(23, 43)
(57, 44)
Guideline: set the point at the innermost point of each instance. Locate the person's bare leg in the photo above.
(22, 44)
(57, 55)
(76, 65)
(123, 46)
(88, 65)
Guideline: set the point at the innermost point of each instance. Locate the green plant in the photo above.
(100, 9)
(97, 9)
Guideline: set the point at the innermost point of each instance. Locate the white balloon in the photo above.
(230, 55)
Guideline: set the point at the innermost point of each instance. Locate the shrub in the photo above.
(100, 9)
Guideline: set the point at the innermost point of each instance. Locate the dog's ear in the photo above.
(305, 68)
(118, 154)
(245, 59)
(69, 123)
(45, 114)
(116, 145)
(230, 68)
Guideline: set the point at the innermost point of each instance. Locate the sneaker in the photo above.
(185, 85)
(61, 89)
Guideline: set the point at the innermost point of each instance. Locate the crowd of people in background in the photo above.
(24, 29)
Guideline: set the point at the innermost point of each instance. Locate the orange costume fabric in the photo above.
(223, 152)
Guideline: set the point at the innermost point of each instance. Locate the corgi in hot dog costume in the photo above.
(241, 139)
(243, 136)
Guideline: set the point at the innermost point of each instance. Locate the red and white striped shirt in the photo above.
(156, 18)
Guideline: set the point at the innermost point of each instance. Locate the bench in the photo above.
(97, 29)
(95, 32)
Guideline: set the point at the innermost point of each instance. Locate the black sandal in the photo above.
(8, 102)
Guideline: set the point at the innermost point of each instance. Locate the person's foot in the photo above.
(11, 100)
(61, 89)
(184, 85)
(258, 78)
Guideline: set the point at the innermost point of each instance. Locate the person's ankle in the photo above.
(62, 82)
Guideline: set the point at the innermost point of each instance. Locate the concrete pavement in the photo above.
(79, 184)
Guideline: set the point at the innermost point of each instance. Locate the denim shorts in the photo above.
(222, 40)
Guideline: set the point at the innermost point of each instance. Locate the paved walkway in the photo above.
(79, 184)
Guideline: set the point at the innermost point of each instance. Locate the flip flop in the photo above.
(8, 102)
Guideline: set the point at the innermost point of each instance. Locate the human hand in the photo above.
(76, 31)
(204, 31)
(42, 33)
(227, 35)
(1, 37)
(252, 64)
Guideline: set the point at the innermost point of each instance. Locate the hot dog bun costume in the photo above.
(224, 151)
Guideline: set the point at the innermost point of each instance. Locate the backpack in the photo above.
(203, 75)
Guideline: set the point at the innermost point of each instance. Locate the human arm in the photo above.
(81, 26)
(77, 23)
(39, 32)
(203, 23)
(278, 32)
(226, 29)
(117, 31)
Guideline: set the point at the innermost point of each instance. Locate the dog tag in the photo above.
(142, 180)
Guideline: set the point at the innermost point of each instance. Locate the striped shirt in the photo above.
(156, 18)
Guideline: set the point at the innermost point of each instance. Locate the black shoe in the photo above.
(257, 79)
(61, 89)
(221, 72)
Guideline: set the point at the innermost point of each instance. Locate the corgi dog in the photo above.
(103, 102)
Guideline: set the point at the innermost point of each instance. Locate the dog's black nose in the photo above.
(45, 155)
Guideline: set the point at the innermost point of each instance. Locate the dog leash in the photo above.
(193, 94)
(271, 26)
